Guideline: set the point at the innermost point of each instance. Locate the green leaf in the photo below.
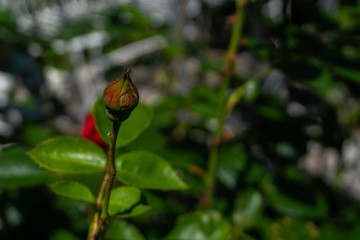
(126, 202)
(163, 205)
(147, 170)
(73, 190)
(35, 134)
(247, 210)
(306, 203)
(73, 211)
(165, 111)
(130, 129)
(62, 234)
(200, 226)
(17, 169)
(202, 100)
(92, 181)
(151, 140)
(252, 91)
(330, 231)
(120, 230)
(69, 155)
(351, 74)
(135, 211)
(293, 228)
(299, 68)
(231, 161)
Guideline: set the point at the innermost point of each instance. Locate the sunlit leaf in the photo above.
(147, 170)
(70, 155)
(126, 202)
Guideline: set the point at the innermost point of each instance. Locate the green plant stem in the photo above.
(102, 188)
(100, 217)
(239, 92)
(111, 168)
(229, 66)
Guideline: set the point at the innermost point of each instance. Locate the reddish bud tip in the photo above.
(121, 97)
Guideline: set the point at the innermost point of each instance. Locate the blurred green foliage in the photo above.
(262, 193)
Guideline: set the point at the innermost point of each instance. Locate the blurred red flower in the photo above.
(89, 131)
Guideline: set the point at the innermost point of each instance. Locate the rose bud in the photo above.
(120, 97)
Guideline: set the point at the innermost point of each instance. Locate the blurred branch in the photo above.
(239, 92)
(227, 71)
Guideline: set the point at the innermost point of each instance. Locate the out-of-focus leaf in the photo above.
(73, 210)
(174, 50)
(203, 100)
(6, 17)
(353, 75)
(126, 202)
(62, 234)
(255, 174)
(182, 158)
(189, 162)
(300, 69)
(150, 140)
(200, 226)
(165, 111)
(270, 112)
(252, 91)
(248, 207)
(163, 206)
(285, 150)
(231, 162)
(355, 233)
(17, 169)
(130, 129)
(315, 206)
(69, 155)
(73, 190)
(331, 232)
(121, 230)
(211, 64)
(291, 228)
(33, 134)
(147, 170)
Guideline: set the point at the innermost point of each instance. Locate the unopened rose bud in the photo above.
(120, 97)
